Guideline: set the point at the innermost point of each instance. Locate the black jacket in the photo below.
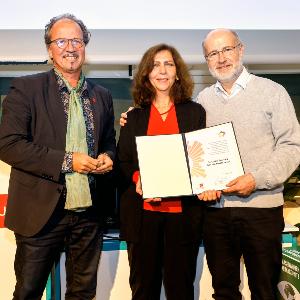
(32, 141)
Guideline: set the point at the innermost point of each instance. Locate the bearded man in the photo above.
(248, 219)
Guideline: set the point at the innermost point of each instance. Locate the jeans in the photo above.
(76, 233)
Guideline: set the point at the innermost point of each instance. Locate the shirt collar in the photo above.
(244, 78)
(62, 86)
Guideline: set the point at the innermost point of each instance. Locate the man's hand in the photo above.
(123, 119)
(243, 185)
(210, 195)
(82, 163)
(104, 164)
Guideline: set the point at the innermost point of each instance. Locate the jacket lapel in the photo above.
(97, 109)
(56, 110)
(181, 118)
(143, 121)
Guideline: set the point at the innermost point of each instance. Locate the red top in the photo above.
(158, 126)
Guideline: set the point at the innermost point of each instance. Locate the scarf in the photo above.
(78, 189)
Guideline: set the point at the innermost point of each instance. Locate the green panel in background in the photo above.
(289, 284)
(119, 87)
(53, 288)
(5, 85)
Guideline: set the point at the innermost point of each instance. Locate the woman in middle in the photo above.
(162, 235)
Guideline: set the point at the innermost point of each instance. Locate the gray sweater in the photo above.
(268, 135)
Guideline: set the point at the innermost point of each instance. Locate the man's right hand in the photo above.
(123, 119)
(243, 185)
(82, 163)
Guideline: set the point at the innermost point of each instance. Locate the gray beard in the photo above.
(230, 77)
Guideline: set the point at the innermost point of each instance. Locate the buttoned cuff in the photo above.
(67, 166)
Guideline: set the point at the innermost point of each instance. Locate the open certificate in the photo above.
(188, 163)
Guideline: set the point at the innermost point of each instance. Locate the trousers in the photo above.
(79, 235)
(255, 234)
(159, 257)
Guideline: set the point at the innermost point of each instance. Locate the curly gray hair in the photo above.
(48, 27)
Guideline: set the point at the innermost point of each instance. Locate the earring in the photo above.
(177, 77)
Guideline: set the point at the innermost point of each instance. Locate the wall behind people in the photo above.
(135, 14)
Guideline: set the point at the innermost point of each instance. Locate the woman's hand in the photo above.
(138, 186)
(210, 195)
(138, 189)
(153, 200)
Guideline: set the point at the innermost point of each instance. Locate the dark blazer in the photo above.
(32, 141)
(190, 116)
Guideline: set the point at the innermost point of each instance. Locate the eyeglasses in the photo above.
(63, 43)
(226, 51)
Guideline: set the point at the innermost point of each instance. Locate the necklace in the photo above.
(164, 108)
(172, 105)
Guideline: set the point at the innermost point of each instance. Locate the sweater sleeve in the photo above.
(286, 153)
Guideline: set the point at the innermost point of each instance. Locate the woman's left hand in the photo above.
(210, 195)
(153, 200)
(138, 186)
(138, 189)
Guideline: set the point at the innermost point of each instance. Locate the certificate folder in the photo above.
(188, 163)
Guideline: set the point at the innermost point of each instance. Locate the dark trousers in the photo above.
(79, 235)
(255, 234)
(160, 255)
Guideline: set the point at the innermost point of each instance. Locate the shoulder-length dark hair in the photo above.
(142, 90)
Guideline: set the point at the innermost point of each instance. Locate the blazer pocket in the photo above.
(23, 178)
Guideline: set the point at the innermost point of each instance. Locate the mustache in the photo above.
(71, 54)
(225, 62)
